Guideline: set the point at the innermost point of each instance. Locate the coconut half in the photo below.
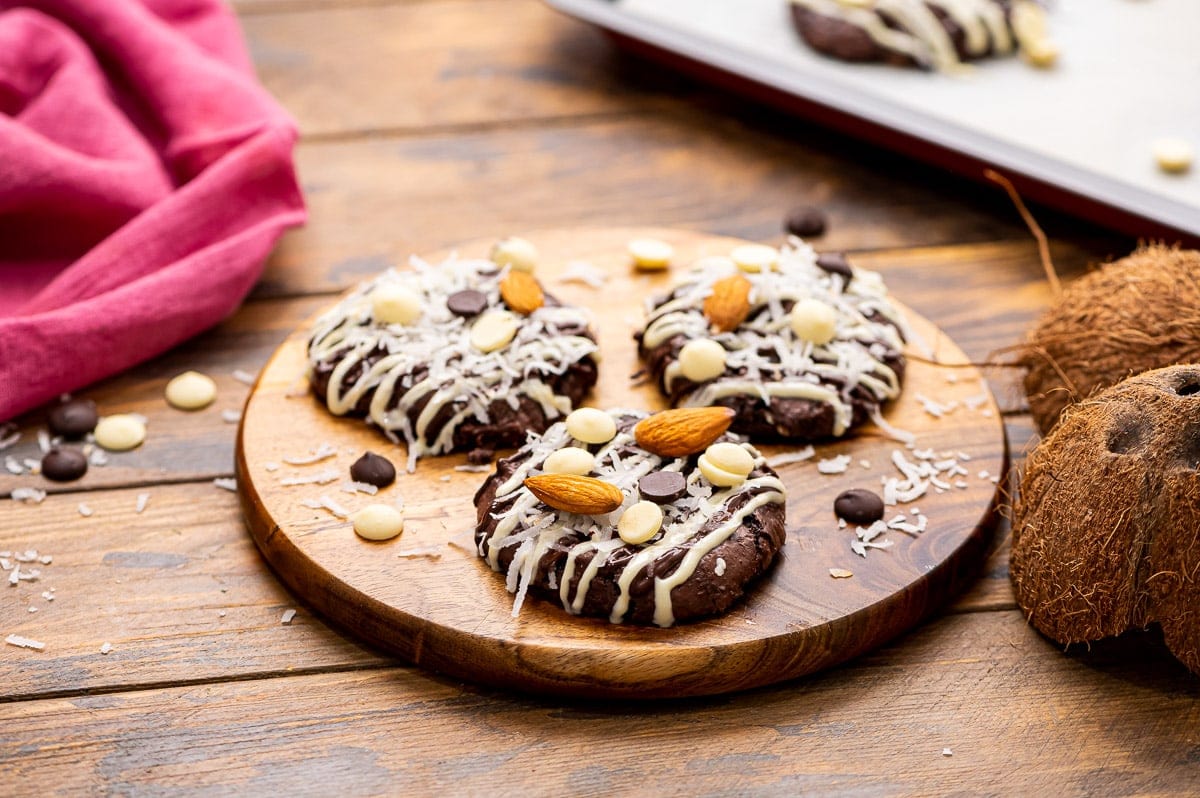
(1135, 314)
(1106, 528)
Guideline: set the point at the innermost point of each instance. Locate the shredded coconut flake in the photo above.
(12, 466)
(359, 487)
(719, 569)
(840, 573)
(244, 377)
(142, 499)
(231, 416)
(473, 469)
(792, 457)
(322, 452)
(107, 647)
(323, 478)
(28, 495)
(9, 435)
(226, 483)
(287, 616)
(84, 510)
(580, 271)
(24, 642)
(834, 465)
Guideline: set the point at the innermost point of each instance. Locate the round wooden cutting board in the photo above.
(428, 598)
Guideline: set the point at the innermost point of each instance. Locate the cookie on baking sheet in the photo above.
(463, 355)
(801, 346)
(614, 530)
(932, 34)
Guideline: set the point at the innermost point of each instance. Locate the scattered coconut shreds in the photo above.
(107, 647)
(473, 469)
(788, 458)
(221, 613)
(142, 499)
(45, 559)
(323, 478)
(719, 568)
(322, 452)
(326, 503)
(286, 618)
(464, 540)
(834, 465)
(895, 433)
(359, 487)
(32, 466)
(28, 495)
(272, 467)
(444, 478)
(226, 483)
(43, 439)
(47, 595)
(29, 555)
(9, 435)
(429, 552)
(974, 402)
(15, 576)
(947, 752)
(244, 377)
(231, 416)
(840, 573)
(84, 510)
(24, 642)
(580, 271)
(98, 458)
(12, 466)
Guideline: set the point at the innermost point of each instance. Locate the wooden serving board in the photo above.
(428, 598)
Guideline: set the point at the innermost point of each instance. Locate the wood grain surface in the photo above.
(543, 126)
(448, 612)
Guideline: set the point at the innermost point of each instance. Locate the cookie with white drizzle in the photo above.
(597, 545)
(464, 355)
(805, 348)
(932, 34)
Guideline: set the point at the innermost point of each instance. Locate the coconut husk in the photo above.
(1106, 527)
(1135, 314)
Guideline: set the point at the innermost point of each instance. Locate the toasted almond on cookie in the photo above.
(576, 494)
(729, 303)
(521, 292)
(682, 431)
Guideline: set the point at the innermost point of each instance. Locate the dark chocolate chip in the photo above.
(467, 303)
(662, 487)
(64, 464)
(858, 506)
(373, 469)
(74, 419)
(805, 222)
(835, 263)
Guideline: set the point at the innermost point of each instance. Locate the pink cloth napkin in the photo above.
(144, 178)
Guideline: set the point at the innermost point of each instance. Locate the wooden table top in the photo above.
(427, 122)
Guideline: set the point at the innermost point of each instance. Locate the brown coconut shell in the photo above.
(1138, 313)
(1106, 527)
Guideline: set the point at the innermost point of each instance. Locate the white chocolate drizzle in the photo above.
(534, 529)
(923, 37)
(764, 356)
(388, 355)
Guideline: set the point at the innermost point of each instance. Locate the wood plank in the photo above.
(374, 202)
(1017, 715)
(179, 591)
(199, 445)
(412, 66)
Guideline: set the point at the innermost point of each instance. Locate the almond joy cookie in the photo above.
(801, 346)
(637, 519)
(465, 355)
(932, 34)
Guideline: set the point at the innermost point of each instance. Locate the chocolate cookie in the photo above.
(804, 349)
(931, 34)
(597, 546)
(439, 373)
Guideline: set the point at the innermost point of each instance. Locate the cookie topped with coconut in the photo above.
(645, 519)
(464, 355)
(800, 346)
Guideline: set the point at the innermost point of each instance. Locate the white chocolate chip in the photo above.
(813, 320)
(395, 304)
(120, 433)
(702, 359)
(718, 476)
(1174, 155)
(754, 257)
(516, 252)
(650, 254)
(640, 522)
(730, 457)
(590, 425)
(715, 265)
(378, 522)
(571, 460)
(494, 330)
(191, 390)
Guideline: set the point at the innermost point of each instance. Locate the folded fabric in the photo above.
(144, 178)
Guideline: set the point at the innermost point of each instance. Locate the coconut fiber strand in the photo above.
(1106, 528)
(144, 178)
(1135, 314)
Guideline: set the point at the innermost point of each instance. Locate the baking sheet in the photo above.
(1129, 73)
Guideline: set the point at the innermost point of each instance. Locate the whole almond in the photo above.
(576, 494)
(521, 292)
(729, 303)
(682, 431)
